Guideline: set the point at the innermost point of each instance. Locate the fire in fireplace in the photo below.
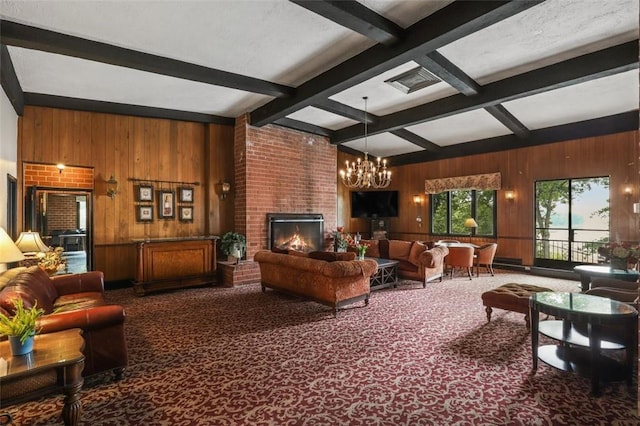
(296, 231)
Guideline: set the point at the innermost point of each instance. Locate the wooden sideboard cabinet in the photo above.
(171, 263)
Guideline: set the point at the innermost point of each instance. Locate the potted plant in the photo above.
(234, 245)
(21, 327)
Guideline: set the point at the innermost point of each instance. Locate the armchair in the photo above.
(460, 257)
(484, 256)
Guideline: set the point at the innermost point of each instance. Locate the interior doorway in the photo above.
(63, 219)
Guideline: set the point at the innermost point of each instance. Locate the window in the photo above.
(450, 209)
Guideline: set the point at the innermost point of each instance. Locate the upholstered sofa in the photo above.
(72, 301)
(415, 260)
(324, 277)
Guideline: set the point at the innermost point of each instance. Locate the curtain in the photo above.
(482, 182)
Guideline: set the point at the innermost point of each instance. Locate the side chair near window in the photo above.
(484, 257)
(460, 257)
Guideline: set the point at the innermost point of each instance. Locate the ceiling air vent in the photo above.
(413, 80)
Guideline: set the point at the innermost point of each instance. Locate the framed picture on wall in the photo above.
(186, 214)
(186, 194)
(144, 192)
(145, 214)
(166, 204)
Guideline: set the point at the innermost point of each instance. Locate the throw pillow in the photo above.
(417, 248)
(279, 250)
(399, 250)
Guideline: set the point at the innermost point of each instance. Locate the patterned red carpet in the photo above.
(414, 356)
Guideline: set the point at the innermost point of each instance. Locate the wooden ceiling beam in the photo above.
(357, 17)
(28, 37)
(38, 99)
(9, 81)
(345, 111)
(501, 114)
(624, 122)
(448, 72)
(448, 24)
(591, 66)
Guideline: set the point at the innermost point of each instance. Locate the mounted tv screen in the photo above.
(372, 204)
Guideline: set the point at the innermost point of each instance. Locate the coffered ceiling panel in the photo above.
(383, 145)
(460, 128)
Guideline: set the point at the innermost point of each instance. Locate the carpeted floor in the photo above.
(414, 356)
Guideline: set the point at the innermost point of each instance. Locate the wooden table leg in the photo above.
(534, 319)
(73, 381)
(594, 349)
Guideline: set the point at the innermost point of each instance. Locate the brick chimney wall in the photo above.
(279, 170)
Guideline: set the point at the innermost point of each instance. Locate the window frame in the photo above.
(474, 201)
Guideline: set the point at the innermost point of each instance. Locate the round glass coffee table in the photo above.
(575, 351)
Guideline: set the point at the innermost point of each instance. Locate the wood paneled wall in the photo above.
(612, 155)
(128, 148)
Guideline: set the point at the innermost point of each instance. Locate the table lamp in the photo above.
(9, 252)
(470, 223)
(31, 243)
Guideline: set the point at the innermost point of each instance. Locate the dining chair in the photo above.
(460, 257)
(484, 257)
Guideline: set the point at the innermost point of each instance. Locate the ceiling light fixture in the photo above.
(366, 173)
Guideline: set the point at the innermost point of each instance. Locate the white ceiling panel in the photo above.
(274, 40)
(405, 13)
(383, 145)
(469, 126)
(48, 73)
(596, 98)
(550, 32)
(321, 118)
(385, 99)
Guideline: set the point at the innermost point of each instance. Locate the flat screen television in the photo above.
(372, 204)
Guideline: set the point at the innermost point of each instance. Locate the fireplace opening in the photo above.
(296, 231)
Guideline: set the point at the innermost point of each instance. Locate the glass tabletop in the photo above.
(50, 349)
(580, 303)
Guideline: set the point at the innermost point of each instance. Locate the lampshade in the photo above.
(470, 223)
(9, 252)
(30, 242)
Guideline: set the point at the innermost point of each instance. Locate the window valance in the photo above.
(485, 181)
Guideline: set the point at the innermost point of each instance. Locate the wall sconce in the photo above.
(226, 187)
(628, 192)
(112, 187)
(60, 167)
(510, 195)
(417, 200)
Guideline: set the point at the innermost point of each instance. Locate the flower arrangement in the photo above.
(340, 240)
(620, 252)
(52, 261)
(361, 248)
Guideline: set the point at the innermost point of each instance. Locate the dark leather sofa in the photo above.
(72, 301)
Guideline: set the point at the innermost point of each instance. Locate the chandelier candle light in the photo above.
(365, 173)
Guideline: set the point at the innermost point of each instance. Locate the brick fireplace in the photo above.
(279, 170)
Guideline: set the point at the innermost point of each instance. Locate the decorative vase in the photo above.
(618, 263)
(342, 250)
(19, 348)
(361, 257)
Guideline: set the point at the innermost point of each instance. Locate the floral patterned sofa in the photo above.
(333, 279)
(415, 260)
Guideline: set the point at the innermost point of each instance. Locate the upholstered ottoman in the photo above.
(511, 297)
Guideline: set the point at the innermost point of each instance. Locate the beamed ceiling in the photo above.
(504, 74)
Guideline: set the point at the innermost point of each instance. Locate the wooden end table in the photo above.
(59, 353)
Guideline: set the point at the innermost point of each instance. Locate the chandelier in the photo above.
(366, 173)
